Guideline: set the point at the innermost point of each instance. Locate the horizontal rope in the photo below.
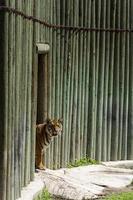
(54, 26)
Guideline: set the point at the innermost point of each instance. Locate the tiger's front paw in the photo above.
(41, 167)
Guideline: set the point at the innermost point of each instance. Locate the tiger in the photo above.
(44, 134)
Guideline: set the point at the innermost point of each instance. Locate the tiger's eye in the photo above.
(49, 128)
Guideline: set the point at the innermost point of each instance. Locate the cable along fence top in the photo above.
(58, 26)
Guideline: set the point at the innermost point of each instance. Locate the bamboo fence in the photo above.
(86, 78)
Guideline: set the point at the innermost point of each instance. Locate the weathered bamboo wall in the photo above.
(88, 82)
(16, 72)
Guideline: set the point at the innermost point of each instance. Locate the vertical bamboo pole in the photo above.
(54, 78)
(23, 81)
(83, 121)
(62, 52)
(10, 143)
(107, 72)
(17, 104)
(45, 35)
(122, 74)
(100, 139)
(98, 49)
(30, 85)
(87, 131)
(3, 100)
(68, 99)
(130, 115)
(126, 89)
(13, 112)
(34, 89)
(72, 53)
(67, 71)
(6, 96)
(111, 69)
(20, 123)
(25, 85)
(57, 92)
(31, 145)
(98, 82)
(92, 114)
(33, 93)
(50, 72)
(75, 93)
(50, 77)
(79, 87)
(106, 80)
(115, 105)
(64, 136)
(28, 110)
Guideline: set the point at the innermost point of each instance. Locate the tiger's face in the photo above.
(54, 127)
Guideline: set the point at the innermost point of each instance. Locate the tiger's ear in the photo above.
(60, 120)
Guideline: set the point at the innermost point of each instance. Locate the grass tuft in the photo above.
(44, 195)
(83, 162)
(121, 196)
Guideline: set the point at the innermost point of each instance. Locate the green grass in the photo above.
(82, 162)
(121, 196)
(44, 195)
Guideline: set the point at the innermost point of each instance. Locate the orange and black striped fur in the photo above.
(44, 134)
